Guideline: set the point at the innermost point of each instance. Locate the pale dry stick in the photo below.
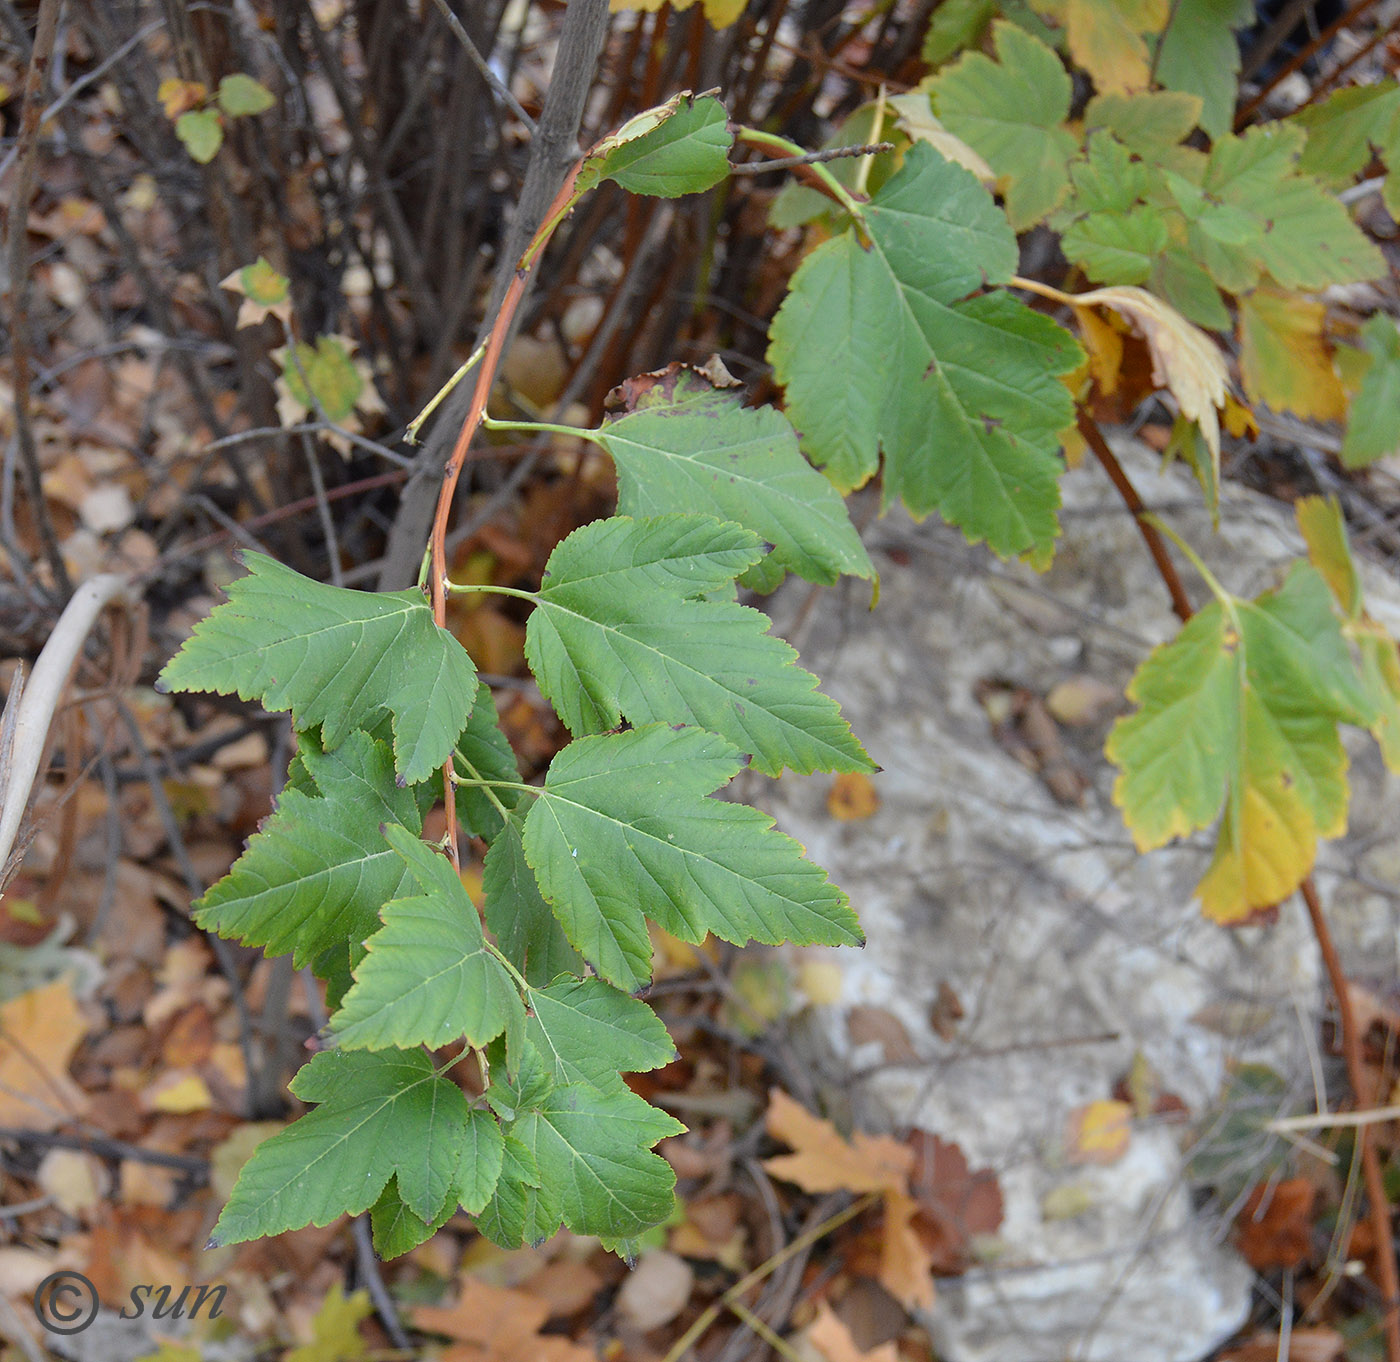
(1327, 1120)
(40, 700)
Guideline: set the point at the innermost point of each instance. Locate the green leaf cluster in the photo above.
(635, 622)
(891, 344)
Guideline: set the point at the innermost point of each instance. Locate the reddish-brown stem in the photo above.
(1378, 1205)
(1156, 545)
(1299, 58)
(485, 376)
(1351, 1040)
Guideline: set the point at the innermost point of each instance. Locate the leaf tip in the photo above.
(214, 1243)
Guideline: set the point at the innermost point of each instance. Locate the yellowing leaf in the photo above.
(325, 374)
(39, 1031)
(265, 293)
(179, 96)
(1106, 38)
(1100, 1132)
(852, 797)
(1285, 360)
(1238, 714)
(824, 1161)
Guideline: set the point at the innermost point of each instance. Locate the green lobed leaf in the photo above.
(240, 95)
(616, 632)
(428, 977)
(1238, 715)
(1261, 214)
(1012, 111)
(1146, 123)
(1117, 249)
(520, 1210)
(591, 1149)
(382, 1115)
(519, 918)
(883, 350)
(1198, 54)
(1343, 128)
(316, 875)
(680, 147)
(396, 1229)
(955, 25)
(622, 831)
(589, 1032)
(682, 444)
(336, 658)
(1373, 424)
(201, 132)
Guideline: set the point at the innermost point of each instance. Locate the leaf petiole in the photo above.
(466, 588)
(537, 428)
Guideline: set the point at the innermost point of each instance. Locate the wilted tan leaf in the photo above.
(916, 119)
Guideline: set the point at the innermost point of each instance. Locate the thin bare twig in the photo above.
(811, 159)
(498, 87)
(21, 284)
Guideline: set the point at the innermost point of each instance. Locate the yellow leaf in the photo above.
(179, 96)
(1285, 359)
(720, 13)
(1099, 1132)
(1105, 38)
(1320, 523)
(39, 1031)
(1103, 342)
(852, 797)
(825, 1162)
(1239, 420)
(179, 1094)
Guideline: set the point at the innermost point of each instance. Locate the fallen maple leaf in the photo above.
(824, 1161)
(39, 1031)
(497, 1325)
